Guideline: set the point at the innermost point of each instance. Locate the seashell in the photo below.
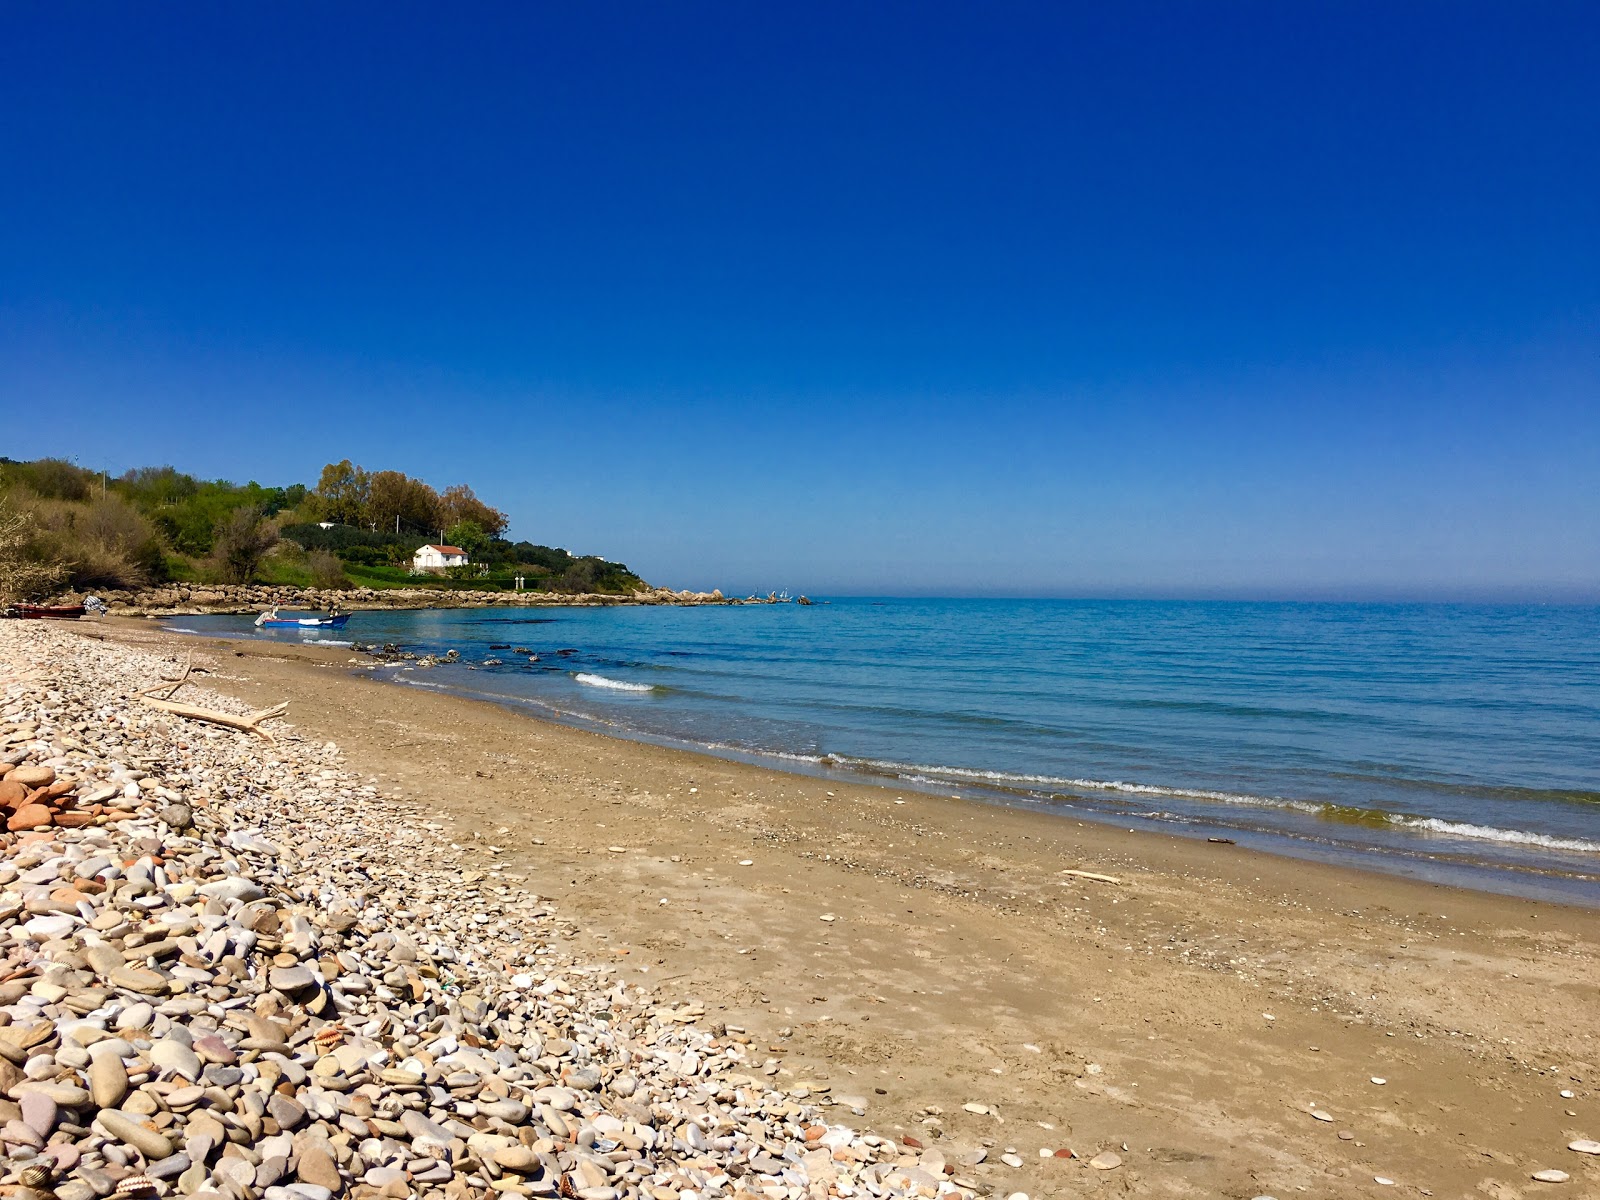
(135, 1185)
(37, 1175)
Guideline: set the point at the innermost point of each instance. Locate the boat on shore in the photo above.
(43, 612)
(271, 620)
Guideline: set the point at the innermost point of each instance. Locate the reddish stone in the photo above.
(908, 1140)
(12, 794)
(72, 820)
(30, 816)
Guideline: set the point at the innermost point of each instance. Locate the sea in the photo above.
(1453, 743)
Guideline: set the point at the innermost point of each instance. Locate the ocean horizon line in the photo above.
(1585, 599)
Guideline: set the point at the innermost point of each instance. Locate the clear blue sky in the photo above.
(1065, 299)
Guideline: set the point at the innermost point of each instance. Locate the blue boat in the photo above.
(271, 620)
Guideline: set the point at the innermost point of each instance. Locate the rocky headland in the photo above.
(185, 598)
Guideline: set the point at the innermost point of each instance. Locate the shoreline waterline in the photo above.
(1577, 887)
(1414, 845)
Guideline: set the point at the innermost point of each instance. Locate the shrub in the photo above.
(242, 541)
(112, 529)
(326, 570)
(104, 543)
(55, 479)
(23, 576)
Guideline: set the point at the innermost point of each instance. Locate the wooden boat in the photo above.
(269, 620)
(39, 612)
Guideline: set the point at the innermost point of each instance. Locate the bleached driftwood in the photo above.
(171, 686)
(1092, 875)
(249, 723)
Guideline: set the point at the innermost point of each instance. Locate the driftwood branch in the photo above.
(171, 686)
(249, 723)
(1092, 875)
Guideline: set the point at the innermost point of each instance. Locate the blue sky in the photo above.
(1173, 299)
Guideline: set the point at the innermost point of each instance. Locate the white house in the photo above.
(437, 558)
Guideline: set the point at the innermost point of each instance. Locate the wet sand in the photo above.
(925, 954)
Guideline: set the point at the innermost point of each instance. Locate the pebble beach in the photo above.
(232, 968)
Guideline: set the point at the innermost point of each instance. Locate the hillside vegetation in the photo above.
(63, 527)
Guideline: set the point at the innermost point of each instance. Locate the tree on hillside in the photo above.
(396, 503)
(344, 491)
(461, 503)
(243, 540)
(157, 487)
(469, 535)
(57, 479)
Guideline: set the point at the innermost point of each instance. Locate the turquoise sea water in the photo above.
(1458, 743)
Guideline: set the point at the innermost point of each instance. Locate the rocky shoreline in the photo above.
(232, 968)
(183, 599)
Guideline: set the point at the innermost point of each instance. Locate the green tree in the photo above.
(57, 479)
(344, 490)
(152, 488)
(470, 536)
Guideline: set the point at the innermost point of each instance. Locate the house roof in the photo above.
(445, 550)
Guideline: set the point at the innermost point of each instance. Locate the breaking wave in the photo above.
(1345, 814)
(1489, 833)
(600, 681)
(1009, 779)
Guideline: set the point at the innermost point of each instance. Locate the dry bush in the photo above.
(103, 543)
(243, 540)
(24, 575)
(326, 570)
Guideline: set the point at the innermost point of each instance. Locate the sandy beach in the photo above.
(1225, 1022)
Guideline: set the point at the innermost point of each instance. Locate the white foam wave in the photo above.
(1009, 778)
(783, 755)
(1490, 833)
(600, 681)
